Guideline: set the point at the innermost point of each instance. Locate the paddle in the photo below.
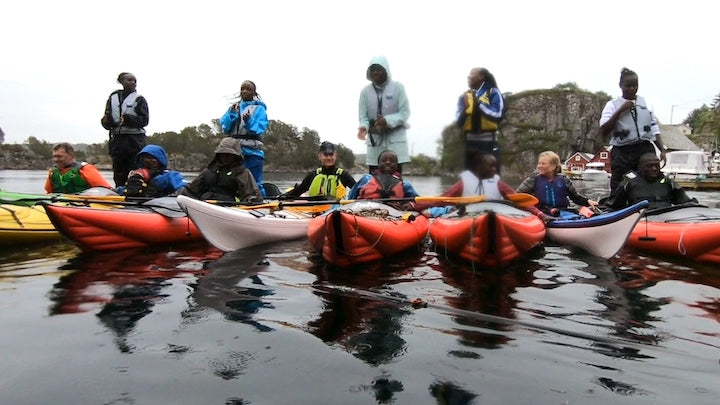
(28, 199)
(522, 200)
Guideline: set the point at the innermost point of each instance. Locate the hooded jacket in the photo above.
(389, 100)
(248, 132)
(144, 183)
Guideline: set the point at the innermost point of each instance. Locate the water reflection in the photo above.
(232, 287)
(125, 284)
(356, 316)
(488, 293)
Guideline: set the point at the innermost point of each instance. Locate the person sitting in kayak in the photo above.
(327, 180)
(648, 183)
(225, 178)
(552, 189)
(480, 179)
(152, 179)
(385, 182)
(70, 176)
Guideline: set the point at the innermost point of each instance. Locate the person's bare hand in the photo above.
(362, 133)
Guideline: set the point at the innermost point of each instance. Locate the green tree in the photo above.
(38, 147)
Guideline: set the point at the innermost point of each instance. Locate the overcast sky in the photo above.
(59, 59)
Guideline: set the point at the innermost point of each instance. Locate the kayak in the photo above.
(601, 235)
(690, 231)
(364, 232)
(491, 233)
(123, 226)
(22, 221)
(229, 228)
(25, 225)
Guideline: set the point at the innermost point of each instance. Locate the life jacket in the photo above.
(239, 129)
(658, 193)
(475, 120)
(382, 186)
(221, 183)
(127, 106)
(633, 126)
(325, 184)
(472, 186)
(551, 194)
(69, 182)
(382, 102)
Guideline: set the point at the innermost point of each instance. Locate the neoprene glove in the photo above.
(135, 186)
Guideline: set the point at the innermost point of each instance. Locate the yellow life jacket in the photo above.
(475, 120)
(327, 184)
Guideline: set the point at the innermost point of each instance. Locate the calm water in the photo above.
(275, 325)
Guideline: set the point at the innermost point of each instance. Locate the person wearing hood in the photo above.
(383, 111)
(247, 121)
(479, 111)
(152, 179)
(225, 178)
(126, 116)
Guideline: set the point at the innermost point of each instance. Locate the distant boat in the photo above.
(692, 169)
(595, 171)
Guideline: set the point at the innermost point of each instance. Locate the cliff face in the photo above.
(564, 121)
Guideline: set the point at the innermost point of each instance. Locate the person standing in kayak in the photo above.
(70, 176)
(383, 111)
(126, 116)
(479, 112)
(247, 121)
(634, 130)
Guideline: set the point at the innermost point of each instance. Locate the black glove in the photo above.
(135, 186)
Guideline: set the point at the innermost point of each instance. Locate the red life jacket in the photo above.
(383, 186)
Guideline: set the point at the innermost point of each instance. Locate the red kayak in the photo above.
(364, 232)
(688, 231)
(123, 227)
(489, 233)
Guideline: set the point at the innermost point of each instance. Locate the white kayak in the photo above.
(601, 235)
(229, 228)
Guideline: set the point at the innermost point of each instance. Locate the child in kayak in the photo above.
(152, 179)
(385, 182)
(480, 179)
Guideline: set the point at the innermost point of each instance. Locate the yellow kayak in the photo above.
(23, 225)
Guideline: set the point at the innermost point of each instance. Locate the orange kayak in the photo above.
(489, 233)
(120, 227)
(365, 231)
(688, 231)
